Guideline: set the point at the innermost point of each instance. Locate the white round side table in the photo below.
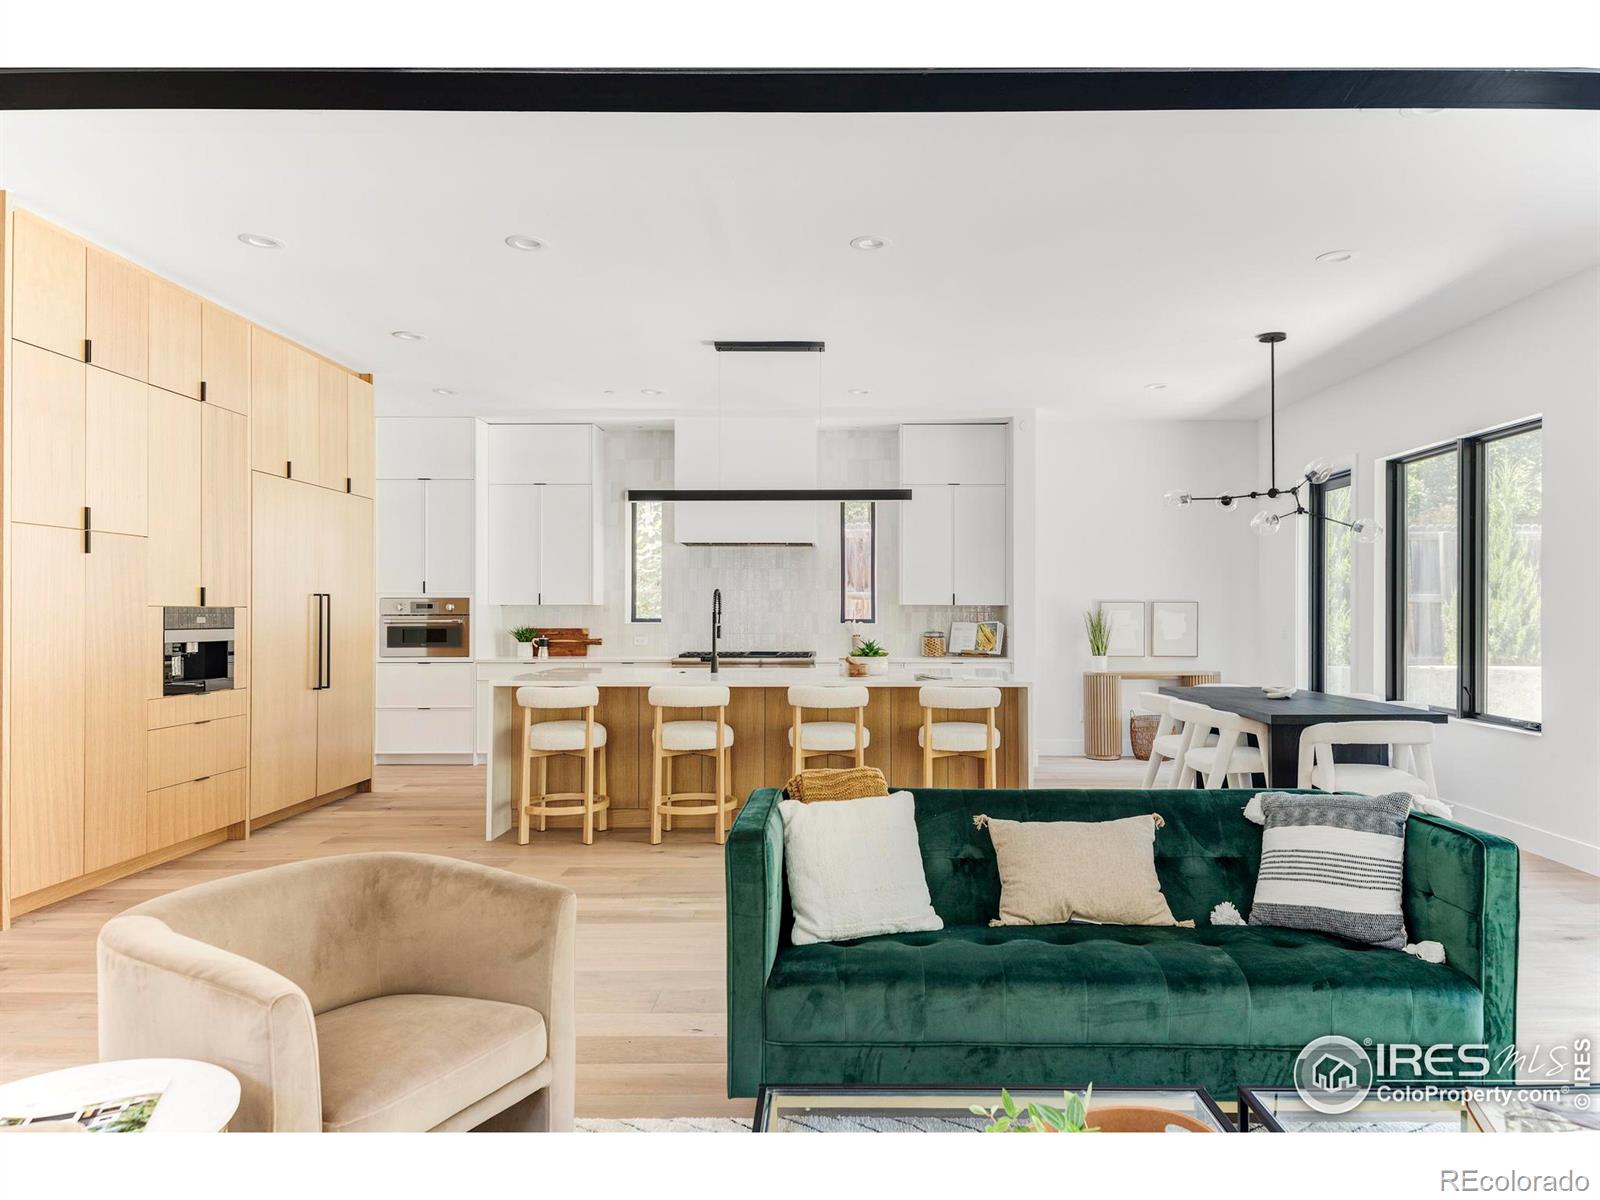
(196, 1097)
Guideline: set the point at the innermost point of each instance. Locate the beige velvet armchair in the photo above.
(363, 992)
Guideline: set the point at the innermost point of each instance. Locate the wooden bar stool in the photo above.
(948, 739)
(808, 739)
(541, 740)
(672, 739)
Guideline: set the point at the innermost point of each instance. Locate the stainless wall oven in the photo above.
(437, 628)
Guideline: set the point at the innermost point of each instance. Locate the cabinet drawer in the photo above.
(185, 810)
(424, 731)
(425, 685)
(203, 706)
(184, 752)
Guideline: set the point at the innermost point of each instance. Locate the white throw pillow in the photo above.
(855, 869)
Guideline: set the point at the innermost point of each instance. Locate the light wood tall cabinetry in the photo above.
(313, 641)
(134, 412)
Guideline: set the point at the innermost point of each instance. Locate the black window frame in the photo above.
(872, 561)
(1472, 666)
(633, 562)
(1317, 503)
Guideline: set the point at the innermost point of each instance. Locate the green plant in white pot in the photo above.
(869, 658)
(524, 636)
(1098, 630)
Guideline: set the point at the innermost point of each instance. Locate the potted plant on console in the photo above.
(1098, 630)
(524, 636)
(869, 658)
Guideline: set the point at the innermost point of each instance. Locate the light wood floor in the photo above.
(650, 936)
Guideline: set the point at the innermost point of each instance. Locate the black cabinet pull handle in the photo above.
(88, 351)
(202, 595)
(203, 396)
(88, 530)
(317, 687)
(288, 468)
(327, 640)
(200, 779)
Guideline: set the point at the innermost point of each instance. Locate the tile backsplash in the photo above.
(773, 597)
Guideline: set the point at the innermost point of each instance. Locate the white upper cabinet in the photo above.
(424, 537)
(541, 453)
(953, 532)
(545, 515)
(962, 454)
(398, 510)
(569, 557)
(447, 540)
(544, 544)
(425, 447)
(927, 567)
(514, 543)
(978, 570)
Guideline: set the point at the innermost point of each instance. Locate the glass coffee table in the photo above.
(865, 1108)
(1456, 1110)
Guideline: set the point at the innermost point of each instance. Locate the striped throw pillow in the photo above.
(1334, 864)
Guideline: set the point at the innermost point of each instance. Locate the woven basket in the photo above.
(1141, 732)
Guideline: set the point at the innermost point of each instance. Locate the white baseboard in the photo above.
(1569, 851)
(1060, 747)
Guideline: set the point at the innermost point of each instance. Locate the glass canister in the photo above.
(934, 643)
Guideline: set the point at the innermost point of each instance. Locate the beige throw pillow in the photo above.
(1052, 872)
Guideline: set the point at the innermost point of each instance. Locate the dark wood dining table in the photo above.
(1285, 719)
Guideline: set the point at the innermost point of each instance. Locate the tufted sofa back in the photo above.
(1206, 852)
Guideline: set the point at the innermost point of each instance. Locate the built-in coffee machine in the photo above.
(197, 650)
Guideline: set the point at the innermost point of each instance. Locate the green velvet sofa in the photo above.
(1218, 1006)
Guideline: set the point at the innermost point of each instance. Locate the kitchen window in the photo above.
(1465, 536)
(858, 568)
(644, 560)
(1332, 597)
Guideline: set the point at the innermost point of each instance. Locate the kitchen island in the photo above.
(758, 711)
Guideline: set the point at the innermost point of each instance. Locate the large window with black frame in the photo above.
(1466, 521)
(1332, 598)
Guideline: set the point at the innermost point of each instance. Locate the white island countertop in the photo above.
(621, 675)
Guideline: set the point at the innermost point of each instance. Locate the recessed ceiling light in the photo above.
(649, 392)
(858, 391)
(868, 242)
(443, 392)
(1155, 387)
(260, 241)
(1419, 112)
(1336, 256)
(521, 241)
(406, 335)
(608, 392)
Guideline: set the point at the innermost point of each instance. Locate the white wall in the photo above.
(1101, 532)
(1536, 357)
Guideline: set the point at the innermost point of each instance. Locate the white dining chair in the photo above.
(1230, 760)
(1409, 742)
(1172, 738)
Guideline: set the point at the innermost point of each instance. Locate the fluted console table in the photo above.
(1102, 705)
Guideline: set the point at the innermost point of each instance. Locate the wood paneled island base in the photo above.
(760, 718)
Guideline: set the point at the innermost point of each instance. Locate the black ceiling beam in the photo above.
(810, 91)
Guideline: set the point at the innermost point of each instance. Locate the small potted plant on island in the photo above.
(1099, 631)
(524, 636)
(869, 658)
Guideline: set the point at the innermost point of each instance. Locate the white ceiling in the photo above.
(1035, 261)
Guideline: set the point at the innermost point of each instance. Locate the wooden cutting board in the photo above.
(569, 643)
